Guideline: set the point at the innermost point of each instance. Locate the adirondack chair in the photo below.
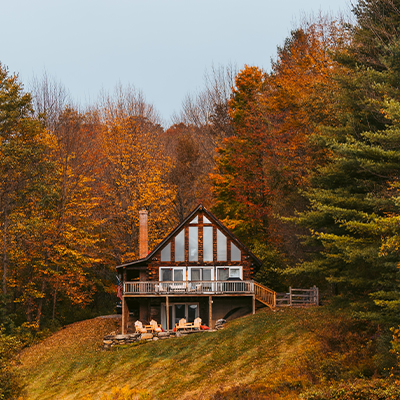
(181, 324)
(155, 326)
(140, 328)
(197, 323)
(188, 325)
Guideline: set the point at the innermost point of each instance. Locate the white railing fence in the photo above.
(295, 297)
(298, 297)
(193, 287)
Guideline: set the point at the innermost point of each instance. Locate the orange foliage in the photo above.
(275, 116)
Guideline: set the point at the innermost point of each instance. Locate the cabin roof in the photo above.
(210, 216)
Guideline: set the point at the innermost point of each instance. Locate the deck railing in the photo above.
(265, 295)
(190, 287)
(295, 297)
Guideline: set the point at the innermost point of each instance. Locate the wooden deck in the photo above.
(157, 288)
(270, 298)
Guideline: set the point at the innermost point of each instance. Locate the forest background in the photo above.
(302, 163)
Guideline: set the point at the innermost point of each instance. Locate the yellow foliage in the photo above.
(136, 167)
(124, 393)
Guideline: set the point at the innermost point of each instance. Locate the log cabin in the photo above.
(199, 270)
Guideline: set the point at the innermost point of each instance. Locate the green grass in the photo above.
(268, 354)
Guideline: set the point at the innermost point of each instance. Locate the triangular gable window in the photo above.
(236, 254)
(195, 220)
(206, 220)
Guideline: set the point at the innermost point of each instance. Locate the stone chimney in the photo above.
(143, 234)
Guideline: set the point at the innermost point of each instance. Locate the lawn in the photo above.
(269, 354)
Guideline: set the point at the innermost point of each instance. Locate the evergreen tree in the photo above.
(351, 194)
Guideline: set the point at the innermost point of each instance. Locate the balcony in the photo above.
(188, 287)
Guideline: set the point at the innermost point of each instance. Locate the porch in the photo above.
(169, 309)
(188, 287)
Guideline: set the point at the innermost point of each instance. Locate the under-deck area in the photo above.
(169, 308)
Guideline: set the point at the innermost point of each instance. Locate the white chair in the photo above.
(139, 327)
(197, 323)
(155, 326)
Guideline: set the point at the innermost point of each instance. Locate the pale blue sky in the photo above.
(162, 47)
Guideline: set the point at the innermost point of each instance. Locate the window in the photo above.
(166, 253)
(235, 253)
(173, 274)
(234, 273)
(196, 274)
(207, 274)
(189, 311)
(227, 273)
(195, 220)
(166, 274)
(201, 274)
(180, 246)
(223, 274)
(221, 246)
(206, 220)
(208, 254)
(178, 275)
(192, 312)
(193, 243)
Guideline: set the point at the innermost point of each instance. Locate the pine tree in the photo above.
(351, 195)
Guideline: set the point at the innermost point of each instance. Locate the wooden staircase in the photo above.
(265, 295)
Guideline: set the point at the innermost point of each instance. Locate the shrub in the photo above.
(10, 382)
(377, 389)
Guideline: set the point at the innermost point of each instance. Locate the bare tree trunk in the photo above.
(40, 304)
(5, 251)
(29, 310)
(55, 296)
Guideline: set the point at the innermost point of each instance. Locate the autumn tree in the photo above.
(20, 158)
(134, 177)
(276, 117)
(59, 233)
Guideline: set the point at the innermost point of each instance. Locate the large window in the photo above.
(173, 274)
(201, 274)
(221, 246)
(193, 243)
(208, 252)
(229, 273)
(180, 246)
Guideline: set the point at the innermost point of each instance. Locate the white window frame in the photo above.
(173, 273)
(200, 267)
(231, 267)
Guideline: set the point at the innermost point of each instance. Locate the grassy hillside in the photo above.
(267, 355)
